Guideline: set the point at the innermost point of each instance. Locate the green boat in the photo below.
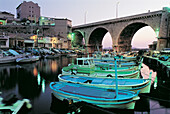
(86, 67)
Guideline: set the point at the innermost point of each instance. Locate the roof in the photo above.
(4, 12)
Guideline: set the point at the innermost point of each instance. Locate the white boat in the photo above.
(72, 55)
(27, 59)
(51, 56)
(5, 58)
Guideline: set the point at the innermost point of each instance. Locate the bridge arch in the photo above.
(95, 38)
(77, 39)
(126, 35)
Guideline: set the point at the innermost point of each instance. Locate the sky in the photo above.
(88, 11)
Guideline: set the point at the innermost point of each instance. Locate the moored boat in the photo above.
(52, 56)
(27, 59)
(109, 83)
(7, 58)
(97, 96)
(13, 105)
(86, 67)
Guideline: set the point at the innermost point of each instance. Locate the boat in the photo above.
(121, 64)
(51, 56)
(86, 67)
(120, 99)
(72, 55)
(99, 56)
(27, 59)
(115, 98)
(6, 58)
(14, 107)
(109, 83)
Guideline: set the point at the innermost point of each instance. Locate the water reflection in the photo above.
(32, 81)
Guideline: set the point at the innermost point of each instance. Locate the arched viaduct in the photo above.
(123, 29)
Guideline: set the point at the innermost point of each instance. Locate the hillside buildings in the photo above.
(28, 10)
(30, 29)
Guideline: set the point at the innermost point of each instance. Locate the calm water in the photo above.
(32, 81)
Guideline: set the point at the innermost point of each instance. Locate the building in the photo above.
(32, 30)
(153, 45)
(6, 15)
(61, 28)
(4, 41)
(28, 10)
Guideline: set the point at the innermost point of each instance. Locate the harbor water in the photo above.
(31, 81)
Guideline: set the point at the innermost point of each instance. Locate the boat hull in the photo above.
(135, 85)
(8, 59)
(27, 59)
(104, 74)
(103, 101)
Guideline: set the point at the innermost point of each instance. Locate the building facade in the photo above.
(61, 28)
(35, 31)
(28, 10)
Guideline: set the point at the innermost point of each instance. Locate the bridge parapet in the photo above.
(122, 19)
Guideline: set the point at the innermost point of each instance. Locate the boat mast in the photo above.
(116, 76)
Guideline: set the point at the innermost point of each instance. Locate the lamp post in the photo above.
(117, 9)
(37, 36)
(85, 16)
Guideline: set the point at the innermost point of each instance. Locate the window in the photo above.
(80, 62)
(3, 43)
(85, 62)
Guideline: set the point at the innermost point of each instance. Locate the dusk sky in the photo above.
(95, 10)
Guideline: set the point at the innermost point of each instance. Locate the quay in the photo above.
(158, 65)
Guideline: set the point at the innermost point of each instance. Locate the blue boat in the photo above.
(143, 85)
(120, 99)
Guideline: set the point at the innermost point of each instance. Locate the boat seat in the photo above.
(107, 82)
(88, 92)
(97, 81)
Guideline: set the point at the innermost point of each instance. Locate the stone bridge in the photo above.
(123, 29)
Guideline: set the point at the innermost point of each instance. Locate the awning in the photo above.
(29, 41)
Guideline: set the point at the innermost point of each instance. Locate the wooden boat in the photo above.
(52, 56)
(110, 57)
(27, 59)
(86, 67)
(5, 58)
(72, 55)
(121, 64)
(128, 84)
(97, 96)
(14, 107)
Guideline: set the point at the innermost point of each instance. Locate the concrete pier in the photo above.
(158, 65)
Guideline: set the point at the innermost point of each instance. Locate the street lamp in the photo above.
(117, 9)
(85, 16)
(37, 36)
